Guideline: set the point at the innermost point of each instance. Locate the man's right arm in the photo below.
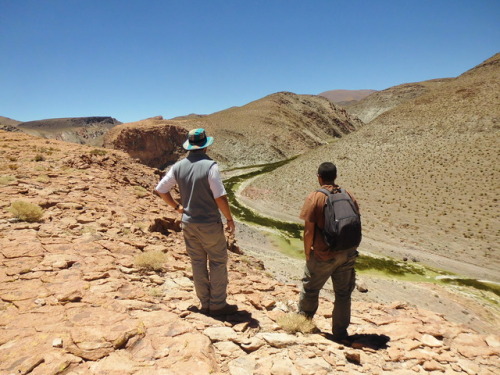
(163, 190)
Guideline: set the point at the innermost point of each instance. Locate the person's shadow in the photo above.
(241, 316)
(362, 340)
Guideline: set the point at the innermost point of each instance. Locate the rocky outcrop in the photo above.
(70, 287)
(155, 142)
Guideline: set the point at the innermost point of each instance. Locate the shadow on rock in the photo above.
(363, 340)
(241, 316)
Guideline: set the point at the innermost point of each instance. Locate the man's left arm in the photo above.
(223, 205)
(308, 238)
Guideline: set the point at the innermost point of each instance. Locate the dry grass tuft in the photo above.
(140, 191)
(26, 211)
(5, 180)
(294, 322)
(151, 260)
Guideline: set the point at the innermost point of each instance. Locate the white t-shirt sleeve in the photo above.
(167, 182)
(215, 182)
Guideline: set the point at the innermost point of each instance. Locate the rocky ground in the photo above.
(73, 301)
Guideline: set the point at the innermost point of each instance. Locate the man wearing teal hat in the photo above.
(202, 196)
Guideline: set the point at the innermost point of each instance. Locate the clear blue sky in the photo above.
(133, 59)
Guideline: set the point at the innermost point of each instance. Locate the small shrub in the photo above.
(43, 178)
(26, 211)
(293, 322)
(39, 157)
(150, 260)
(13, 166)
(97, 152)
(12, 158)
(5, 180)
(155, 292)
(140, 191)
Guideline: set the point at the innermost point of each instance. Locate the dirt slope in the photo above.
(425, 173)
(69, 287)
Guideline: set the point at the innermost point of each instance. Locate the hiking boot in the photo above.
(200, 310)
(342, 338)
(226, 310)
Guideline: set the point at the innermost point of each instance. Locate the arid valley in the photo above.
(422, 159)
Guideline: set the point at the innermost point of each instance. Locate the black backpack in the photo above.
(342, 229)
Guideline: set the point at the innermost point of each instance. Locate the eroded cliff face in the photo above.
(155, 142)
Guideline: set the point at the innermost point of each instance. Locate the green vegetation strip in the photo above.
(243, 213)
(474, 284)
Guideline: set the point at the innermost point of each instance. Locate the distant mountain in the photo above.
(8, 121)
(425, 173)
(346, 97)
(273, 128)
(83, 130)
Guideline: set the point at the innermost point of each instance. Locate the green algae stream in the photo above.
(292, 230)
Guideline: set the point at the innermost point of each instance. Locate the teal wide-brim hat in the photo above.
(197, 139)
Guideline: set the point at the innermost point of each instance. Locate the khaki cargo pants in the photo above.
(207, 243)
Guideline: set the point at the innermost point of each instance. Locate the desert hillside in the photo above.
(375, 104)
(425, 173)
(82, 130)
(273, 128)
(100, 284)
(346, 97)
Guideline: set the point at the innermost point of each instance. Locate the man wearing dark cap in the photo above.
(321, 262)
(202, 196)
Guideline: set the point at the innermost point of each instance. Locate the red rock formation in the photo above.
(155, 142)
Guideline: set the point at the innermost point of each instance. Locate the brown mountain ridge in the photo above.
(270, 129)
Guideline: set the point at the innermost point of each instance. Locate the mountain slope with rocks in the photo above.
(270, 129)
(368, 108)
(72, 287)
(425, 174)
(82, 130)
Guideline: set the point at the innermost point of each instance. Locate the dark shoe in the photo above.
(196, 309)
(308, 316)
(342, 339)
(226, 310)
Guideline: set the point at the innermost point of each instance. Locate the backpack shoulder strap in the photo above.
(324, 191)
